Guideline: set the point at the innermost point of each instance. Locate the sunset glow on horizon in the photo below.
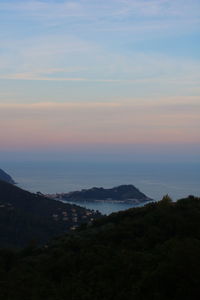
(47, 124)
(82, 73)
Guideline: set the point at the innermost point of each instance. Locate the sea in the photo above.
(178, 180)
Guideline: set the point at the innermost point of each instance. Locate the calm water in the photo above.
(155, 180)
(105, 208)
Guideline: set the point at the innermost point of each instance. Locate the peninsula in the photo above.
(123, 193)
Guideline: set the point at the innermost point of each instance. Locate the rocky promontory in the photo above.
(123, 193)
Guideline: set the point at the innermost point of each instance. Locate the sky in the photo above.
(109, 76)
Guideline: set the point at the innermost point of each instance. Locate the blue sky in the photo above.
(98, 41)
(106, 72)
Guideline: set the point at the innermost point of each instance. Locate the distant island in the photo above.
(6, 177)
(120, 194)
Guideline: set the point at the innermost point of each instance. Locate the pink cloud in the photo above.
(52, 124)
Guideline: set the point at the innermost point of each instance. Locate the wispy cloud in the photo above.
(76, 51)
(164, 104)
(116, 7)
(109, 15)
(90, 50)
(38, 77)
(49, 9)
(159, 8)
(68, 58)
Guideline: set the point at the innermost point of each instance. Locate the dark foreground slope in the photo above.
(6, 177)
(26, 217)
(148, 253)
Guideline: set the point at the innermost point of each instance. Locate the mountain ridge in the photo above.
(6, 177)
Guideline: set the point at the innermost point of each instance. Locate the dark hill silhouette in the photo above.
(125, 193)
(6, 177)
(151, 252)
(25, 216)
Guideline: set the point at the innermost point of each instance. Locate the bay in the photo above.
(154, 179)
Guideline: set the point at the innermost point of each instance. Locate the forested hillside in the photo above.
(32, 218)
(146, 253)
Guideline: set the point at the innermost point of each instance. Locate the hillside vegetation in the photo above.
(26, 217)
(146, 253)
